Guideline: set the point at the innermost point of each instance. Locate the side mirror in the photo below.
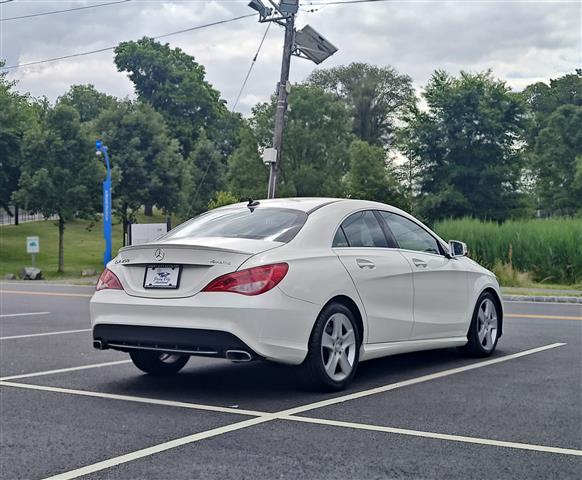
(457, 249)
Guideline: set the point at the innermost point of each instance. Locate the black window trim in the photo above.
(389, 237)
(441, 253)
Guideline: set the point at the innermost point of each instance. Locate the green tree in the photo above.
(17, 116)
(377, 96)
(247, 176)
(557, 161)
(174, 84)
(147, 167)
(222, 199)
(468, 146)
(371, 175)
(205, 175)
(315, 145)
(543, 99)
(60, 172)
(88, 102)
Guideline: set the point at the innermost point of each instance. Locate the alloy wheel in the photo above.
(338, 347)
(487, 324)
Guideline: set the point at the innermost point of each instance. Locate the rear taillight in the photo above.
(252, 281)
(108, 280)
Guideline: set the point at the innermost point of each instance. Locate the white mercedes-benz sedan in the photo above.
(315, 282)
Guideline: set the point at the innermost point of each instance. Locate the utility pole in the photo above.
(306, 43)
(283, 92)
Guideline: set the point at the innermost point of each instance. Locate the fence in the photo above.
(20, 216)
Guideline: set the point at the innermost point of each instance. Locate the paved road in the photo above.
(426, 415)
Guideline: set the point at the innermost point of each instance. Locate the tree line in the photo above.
(469, 146)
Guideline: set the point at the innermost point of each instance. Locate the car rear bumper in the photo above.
(211, 343)
(272, 325)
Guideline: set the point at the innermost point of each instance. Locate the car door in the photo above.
(440, 283)
(382, 276)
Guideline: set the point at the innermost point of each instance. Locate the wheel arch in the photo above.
(499, 306)
(353, 307)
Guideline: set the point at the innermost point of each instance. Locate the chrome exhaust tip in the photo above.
(238, 356)
(99, 345)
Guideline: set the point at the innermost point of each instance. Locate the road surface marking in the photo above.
(414, 381)
(146, 452)
(48, 294)
(438, 436)
(281, 415)
(137, 399)
(64, 332)
(545, 317)
(64, 370)
(6, 315)
(551, 304)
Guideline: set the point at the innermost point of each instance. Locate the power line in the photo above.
(244, 84)
(53, 12)
(6, 1)
(234, 105)
(341, 2)
(105, 49)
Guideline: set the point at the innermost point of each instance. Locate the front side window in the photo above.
(360, 229)
(274, 224)
(409, 235)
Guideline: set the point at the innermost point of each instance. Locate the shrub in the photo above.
(550, 249)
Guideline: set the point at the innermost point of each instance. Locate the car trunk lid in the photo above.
(200, 260)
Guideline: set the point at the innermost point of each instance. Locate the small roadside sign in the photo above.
(32, 245)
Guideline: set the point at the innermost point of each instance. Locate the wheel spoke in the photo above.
(487, 309)
(482, 333)
(331, 366)
(493, 333)
(344, 364)
(488, 340)
(327, 341)
(349, 338)
(337, 327)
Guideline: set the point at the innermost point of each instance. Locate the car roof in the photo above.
(305, 204)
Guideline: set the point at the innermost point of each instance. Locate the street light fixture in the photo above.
(260, 7)
(311, 45)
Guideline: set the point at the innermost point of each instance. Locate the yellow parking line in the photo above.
(546, 317)
(50, 294)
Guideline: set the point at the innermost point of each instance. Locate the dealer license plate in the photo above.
(162, 276)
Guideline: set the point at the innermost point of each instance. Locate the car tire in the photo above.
(484, 330)
(332, 358)
(158, 363)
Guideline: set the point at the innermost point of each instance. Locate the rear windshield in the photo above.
(275, 224)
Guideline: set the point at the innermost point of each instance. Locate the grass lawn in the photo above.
(83, 242)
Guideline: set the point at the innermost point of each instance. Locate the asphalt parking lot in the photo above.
(68, 411)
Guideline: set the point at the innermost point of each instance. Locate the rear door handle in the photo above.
(419, 263)
(363, 263)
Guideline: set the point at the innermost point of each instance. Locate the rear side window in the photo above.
(275, 224)
(360, 229)
(409, 235)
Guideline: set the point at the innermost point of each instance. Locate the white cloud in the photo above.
(521, 42)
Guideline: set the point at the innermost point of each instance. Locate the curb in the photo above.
(542, 299)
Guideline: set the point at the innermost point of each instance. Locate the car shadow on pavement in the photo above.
(270, 386)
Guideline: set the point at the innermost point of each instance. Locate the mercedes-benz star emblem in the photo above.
(159, 254)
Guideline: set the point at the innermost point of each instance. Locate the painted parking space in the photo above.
(400, 416)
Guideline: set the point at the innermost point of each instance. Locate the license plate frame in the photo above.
(151, 280)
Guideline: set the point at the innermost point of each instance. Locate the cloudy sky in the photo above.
(521, 41)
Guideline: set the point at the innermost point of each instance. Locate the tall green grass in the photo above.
(550, 249)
